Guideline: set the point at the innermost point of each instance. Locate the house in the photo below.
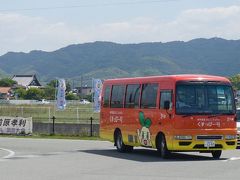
(84, 91)
(5, 92)
(27, 81)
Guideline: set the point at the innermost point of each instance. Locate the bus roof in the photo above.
(180, 77)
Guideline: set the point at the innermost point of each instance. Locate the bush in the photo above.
(71, 96)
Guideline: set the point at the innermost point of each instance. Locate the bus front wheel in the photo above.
(162, 147)
(216, 154)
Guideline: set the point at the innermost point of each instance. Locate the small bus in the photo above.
(173, 113)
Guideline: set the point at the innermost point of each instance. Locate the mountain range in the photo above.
(111, 60)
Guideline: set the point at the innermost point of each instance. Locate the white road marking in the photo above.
(27, 156)
(11, 153)
(233, 159)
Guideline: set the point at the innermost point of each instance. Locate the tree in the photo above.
(235, 81)
(68, 86)
(71, 96)
(50, 92)
(53, 83)
(50, 89)
(35, 93)
(7, 82)
(20, 93)
(89, 97)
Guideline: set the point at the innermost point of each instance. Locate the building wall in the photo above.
(66, 129)
(86, 91)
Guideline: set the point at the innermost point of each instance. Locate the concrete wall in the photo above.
(66, 129)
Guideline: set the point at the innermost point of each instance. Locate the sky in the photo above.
(48, 25)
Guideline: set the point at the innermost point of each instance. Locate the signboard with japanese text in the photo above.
(15, 125)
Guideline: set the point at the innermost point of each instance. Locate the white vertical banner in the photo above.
(97, 88)
(61, 101)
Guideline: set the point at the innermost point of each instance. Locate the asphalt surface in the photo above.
(41, 159)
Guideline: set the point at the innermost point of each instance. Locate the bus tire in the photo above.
(121, 147)
(162, 147)
(216, 154)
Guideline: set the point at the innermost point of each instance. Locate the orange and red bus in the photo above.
(169, 113)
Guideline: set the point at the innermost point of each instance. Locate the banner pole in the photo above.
(56, 86)
(54, 108)
(92, 94)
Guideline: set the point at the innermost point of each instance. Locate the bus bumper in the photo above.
(203, 145)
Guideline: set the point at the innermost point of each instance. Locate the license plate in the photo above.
(209, 144)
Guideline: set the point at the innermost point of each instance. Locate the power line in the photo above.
(91, 5)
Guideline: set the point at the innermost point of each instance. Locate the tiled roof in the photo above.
(24, 80)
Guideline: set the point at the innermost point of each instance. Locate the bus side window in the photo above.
(149, 96)
(165, 95)
(132, 96)
(117, 96)
(106, 96)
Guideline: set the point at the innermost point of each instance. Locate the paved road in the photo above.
(41, 159)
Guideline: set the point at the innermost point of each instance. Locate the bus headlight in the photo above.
(183, 137)
(230, 137)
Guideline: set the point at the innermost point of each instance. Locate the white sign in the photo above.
(15, 125)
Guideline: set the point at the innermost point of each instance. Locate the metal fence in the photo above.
(45, 113)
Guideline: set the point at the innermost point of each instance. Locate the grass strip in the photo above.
(56, 136)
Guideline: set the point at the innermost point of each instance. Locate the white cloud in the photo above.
(190, 24)
(222, 22)
(23, 33)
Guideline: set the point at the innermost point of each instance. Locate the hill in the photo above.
(108, 60)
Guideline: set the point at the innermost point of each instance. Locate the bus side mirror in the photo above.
(236, 100)
(166, 105)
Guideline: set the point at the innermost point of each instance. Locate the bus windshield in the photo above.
(204, 99)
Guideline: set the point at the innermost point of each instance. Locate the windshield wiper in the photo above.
(187, 115)
(219, 114)
(215, 115)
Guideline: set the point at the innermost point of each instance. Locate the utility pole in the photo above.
(72, 84)
(81, 87)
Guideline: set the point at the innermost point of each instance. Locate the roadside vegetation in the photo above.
(235, 81)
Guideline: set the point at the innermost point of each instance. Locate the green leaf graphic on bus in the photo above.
(144, 134)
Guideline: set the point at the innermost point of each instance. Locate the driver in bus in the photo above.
(181, 100)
